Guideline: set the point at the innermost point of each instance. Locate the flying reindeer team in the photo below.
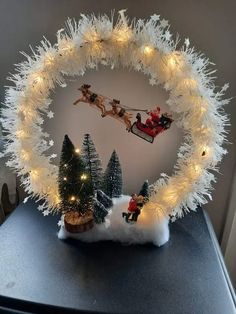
(155, 124)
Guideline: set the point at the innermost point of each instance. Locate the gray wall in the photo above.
(211, 27)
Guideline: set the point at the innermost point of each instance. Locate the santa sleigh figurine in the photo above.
(153, 126)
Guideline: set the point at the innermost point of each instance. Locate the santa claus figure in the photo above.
(154, 119)
(135, 204)
(132, 207)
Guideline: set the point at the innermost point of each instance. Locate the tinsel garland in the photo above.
(143, 45)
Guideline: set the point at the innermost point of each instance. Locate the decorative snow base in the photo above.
(148, 229)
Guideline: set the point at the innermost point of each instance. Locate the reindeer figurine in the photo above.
(91, 98)
(119, 113)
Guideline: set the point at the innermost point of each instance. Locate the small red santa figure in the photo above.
(135, 205)
(132, 207)
(155, 118)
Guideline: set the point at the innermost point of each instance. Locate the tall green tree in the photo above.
(74, 182)
(112, 180)
(92, 161)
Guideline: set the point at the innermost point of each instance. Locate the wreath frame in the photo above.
(146, 46)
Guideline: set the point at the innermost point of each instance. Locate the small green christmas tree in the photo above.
(92, 161)
(74, 182)
(99, 212)
(104, 199)
(145, 190)
(112, 181)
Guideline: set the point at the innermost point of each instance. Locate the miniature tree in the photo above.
(74, 183)
(99, 212)
(145, 190)
(92, 161)
(104, 199)
(112, 181)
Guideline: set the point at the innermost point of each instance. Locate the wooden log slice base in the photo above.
(77, 223)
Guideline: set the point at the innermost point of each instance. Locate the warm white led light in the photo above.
(148, 50)
(83, 177)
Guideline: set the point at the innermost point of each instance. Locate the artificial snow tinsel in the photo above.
(143, 45)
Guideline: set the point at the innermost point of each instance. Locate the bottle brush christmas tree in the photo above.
(104, 199)
(101, 203)
(75, 189)
(145, 190)
(92, 161)
(99, 212)
(112, 181)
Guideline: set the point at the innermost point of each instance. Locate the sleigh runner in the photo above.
(136, 131)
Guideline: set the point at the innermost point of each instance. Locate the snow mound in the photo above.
(148, 229)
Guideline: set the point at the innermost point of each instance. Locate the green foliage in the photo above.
(112, 181)
(104, 199)
(74, 182)
(145, 190)
(99, 212)
(92, 161)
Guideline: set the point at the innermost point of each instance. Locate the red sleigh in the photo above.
(147, 132)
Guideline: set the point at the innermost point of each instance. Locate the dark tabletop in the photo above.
(43, 274)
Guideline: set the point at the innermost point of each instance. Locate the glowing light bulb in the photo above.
(65, 165)
(207, 131)
(190, 83)
(199, 101)
(122, 35)
(197, 169)
(49, 60)
(37, 78)
(20, 134)
(56, 199)
(187, 86)
(65, 179)
(92, 36)
(203, 130)
(83, 177)
(34, 174)
(148, 50)
(172, 199)
(66, 46)
(72, 198)
(77, 150)
(203, 109)
(25, 155)
(172, 62)
(27, 112)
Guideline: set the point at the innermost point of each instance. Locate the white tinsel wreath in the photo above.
(146, 46)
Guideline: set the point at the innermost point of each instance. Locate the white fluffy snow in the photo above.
(148, 229)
